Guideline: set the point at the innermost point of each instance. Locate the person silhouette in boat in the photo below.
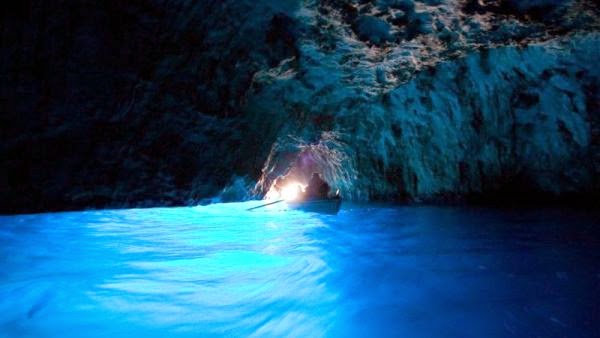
(317, 188)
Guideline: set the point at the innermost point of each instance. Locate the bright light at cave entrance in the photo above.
(290, 191)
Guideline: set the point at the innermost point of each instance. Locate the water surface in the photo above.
(372, 270)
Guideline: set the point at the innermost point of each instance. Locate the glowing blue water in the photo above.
(369, 271)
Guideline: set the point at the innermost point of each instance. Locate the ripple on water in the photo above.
(374, 270)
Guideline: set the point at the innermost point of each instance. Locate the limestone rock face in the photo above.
(168, 103)
(523, 118)
(472, 100)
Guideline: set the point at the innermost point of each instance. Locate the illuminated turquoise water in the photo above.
(371, 271)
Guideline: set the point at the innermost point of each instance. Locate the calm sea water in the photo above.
(370, 271)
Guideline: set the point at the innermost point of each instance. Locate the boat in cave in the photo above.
(323, 206)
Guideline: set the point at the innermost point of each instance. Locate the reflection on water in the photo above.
(371, 270)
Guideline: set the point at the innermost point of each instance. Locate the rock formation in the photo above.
(114, 104)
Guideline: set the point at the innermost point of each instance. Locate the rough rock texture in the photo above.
(170, 102)
(473, 99)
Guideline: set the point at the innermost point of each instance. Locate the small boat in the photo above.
(323, 206)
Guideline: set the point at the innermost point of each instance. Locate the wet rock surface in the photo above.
(168, 103)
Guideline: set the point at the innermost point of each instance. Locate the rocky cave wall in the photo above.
(478, 101)
(135, 103)
(171, 102)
